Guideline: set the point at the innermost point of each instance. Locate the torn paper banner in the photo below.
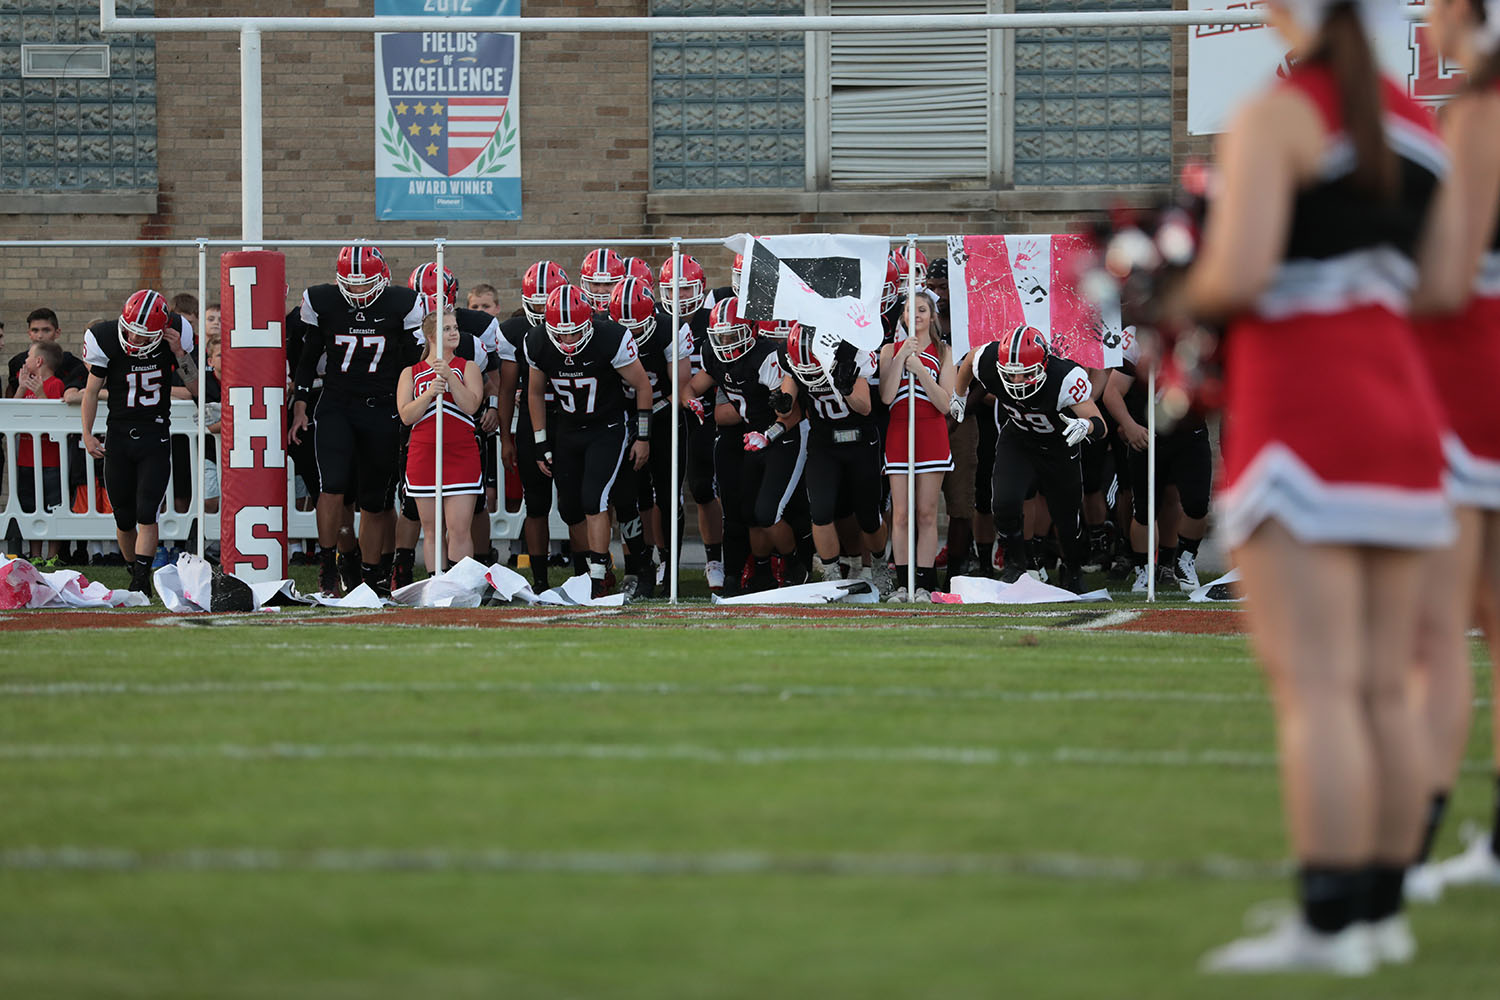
(576, 593)
(466, 584)
(191, 585)
(825, 592)
(1220, 589)
(1027, 590)
(22, 585)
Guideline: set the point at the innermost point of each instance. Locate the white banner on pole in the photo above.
(1230, 62)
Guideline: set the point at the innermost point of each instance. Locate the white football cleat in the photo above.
(898, 596)
(1391, 940)
(1187, 572)
(1142, 578)
(922, 596)
(1424, 884)
(1477, 865)
(1292, 946)
(714, 571)
(827, 571)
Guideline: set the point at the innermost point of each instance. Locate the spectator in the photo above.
(185, 304)
(38, 379)
(42, 326)
(211, 322)
(485, 299)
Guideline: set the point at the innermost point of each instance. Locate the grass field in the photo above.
(631, 805)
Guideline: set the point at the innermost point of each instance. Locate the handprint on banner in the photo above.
(1034, 291)
(1026, 256)
(858, 316)
(957, 255)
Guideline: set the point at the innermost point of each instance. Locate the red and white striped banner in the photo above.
(1001, 282)
(252, 518)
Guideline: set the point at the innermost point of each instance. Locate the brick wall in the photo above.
(585, 163)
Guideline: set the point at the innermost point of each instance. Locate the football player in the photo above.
(1184, 458)
(633, 307)
(1044, 411)
(370, 332)
(134, 358)
(695, 309)
(843, 450)
(479, 339)
(600, 272)
(588, 361)
(759, 454)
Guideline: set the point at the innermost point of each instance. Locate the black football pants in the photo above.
(1022, 470)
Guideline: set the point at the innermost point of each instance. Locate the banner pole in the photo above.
(1151, 482)
(437, 515)
(675, 541)
(202, 392)
(911, 426)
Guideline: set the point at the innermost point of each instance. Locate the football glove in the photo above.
(755, 441)
(782, 402)
(956, 407)
(844, 375)
(696, 407)
(1075, 429)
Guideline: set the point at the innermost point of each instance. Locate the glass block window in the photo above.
(76, 134)
(1093, 106)
(727, 110)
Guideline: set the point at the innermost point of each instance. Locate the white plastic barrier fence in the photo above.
(60, 422)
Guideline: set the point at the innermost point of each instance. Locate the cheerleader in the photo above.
(1467, 33)
(463, 479)
(924, 355)
(1333, 466)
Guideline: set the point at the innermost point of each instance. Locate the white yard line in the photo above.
(785, 692)
(961, 756)
(1060, 866)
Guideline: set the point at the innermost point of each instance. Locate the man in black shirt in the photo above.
(42, 327)
(368, 330)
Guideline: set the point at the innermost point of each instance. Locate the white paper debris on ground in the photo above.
(22, 585)
(576, 593)
(823, 592)
(1219, 590)
(1027, 590)
(465, 585)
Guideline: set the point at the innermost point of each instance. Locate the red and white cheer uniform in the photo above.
(461, 470)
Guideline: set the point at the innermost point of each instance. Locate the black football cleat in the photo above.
(349, 569)
(328, 576)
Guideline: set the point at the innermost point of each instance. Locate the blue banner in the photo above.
(447, 120)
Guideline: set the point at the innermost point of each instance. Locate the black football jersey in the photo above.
(367, 349)
(513, 332)
(748, 381)
(482, 336)
(1037, 417)
(657, 356)
(140, 388)
(587, 385)
(826, 408)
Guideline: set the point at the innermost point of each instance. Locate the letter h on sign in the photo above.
(253, 515)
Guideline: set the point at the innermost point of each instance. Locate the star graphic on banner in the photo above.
(420, 109)
(434, 129)
(432, 149)
(401, 108)
(414, 129)
(437, 109)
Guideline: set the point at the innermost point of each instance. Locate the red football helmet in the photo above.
(541, 278)
(424, 280)
(143, 322)
(729, 334)
(362, 274)
(632, 306)
(1022, 360)
(568, 314)
(775, 329)
(801, 360)
(636, 267)
(690, 286)
(919, 265)
(891, 290)
(602, 270)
